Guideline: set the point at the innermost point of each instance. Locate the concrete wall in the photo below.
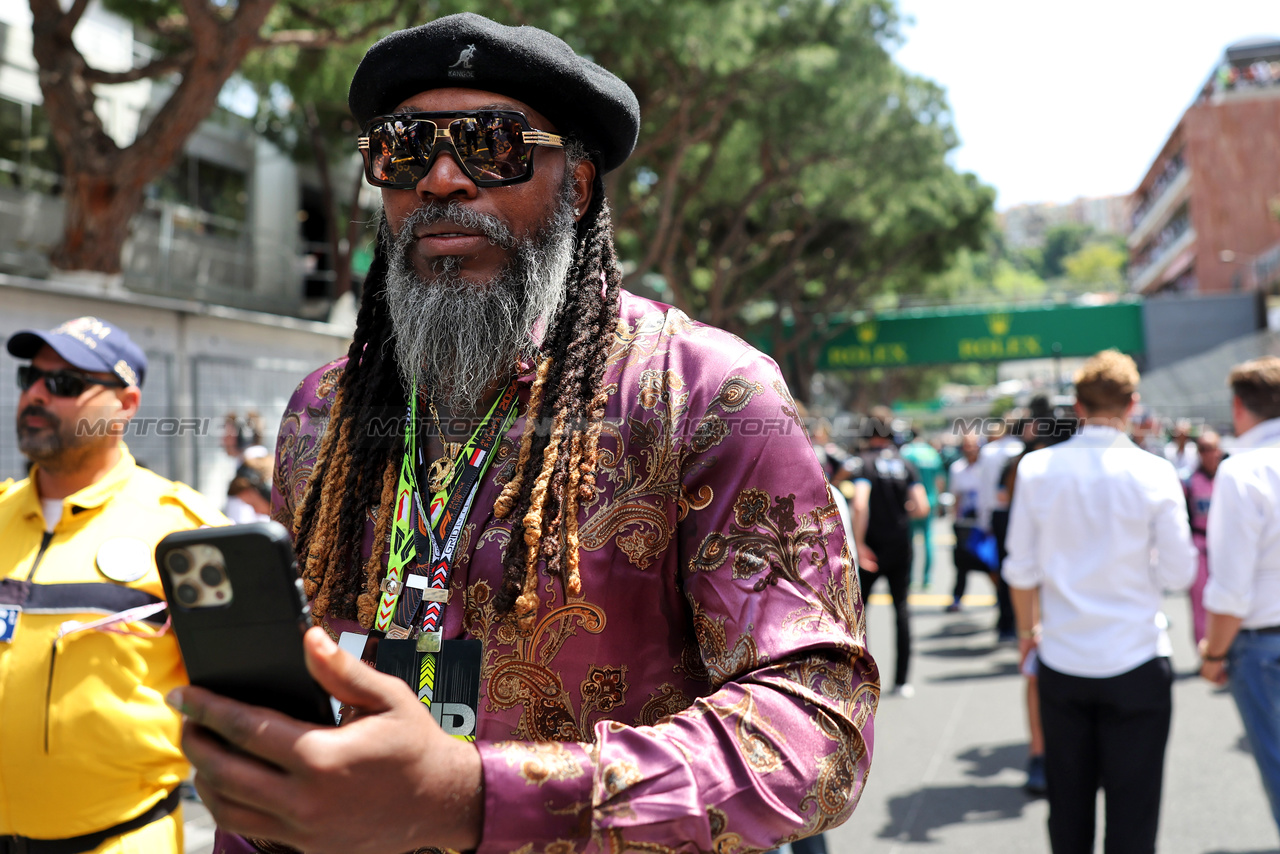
(1196, 388)
(1177, 326)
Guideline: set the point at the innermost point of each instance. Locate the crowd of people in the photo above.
(1084, 516)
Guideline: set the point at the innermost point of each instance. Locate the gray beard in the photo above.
(454, 338)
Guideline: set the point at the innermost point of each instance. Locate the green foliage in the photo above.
(786, 167)
(1001, 406)
(1098, 266)
(988, 275)
(1059, 242)
(783, 154)
(1092, 262)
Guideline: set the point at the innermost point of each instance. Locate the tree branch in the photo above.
(71, 18)
(307, 15)
(204, 25)
(326, 34)
(156, 68)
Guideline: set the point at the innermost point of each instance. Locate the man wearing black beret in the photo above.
(589, 533)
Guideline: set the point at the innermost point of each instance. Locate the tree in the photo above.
(198, 45)
(1059, 242)
(1098, 266)
(104, 182)
(787, 169)
(302, 108)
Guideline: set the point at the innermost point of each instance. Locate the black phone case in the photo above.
(250, 649)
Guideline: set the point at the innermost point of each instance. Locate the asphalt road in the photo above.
(949, 764)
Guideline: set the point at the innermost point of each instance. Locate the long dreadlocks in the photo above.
(358, 464)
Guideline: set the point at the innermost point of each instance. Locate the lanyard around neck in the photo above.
(434, 531)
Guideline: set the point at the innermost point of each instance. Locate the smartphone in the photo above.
(238, 610)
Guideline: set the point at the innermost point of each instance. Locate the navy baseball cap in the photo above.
(89, 344)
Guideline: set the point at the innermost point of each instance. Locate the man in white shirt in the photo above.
(1242, 638)
(965, 482)
(1098, 531)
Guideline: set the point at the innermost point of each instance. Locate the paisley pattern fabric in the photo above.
(710, 690)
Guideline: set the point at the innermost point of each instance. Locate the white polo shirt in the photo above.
(991, 462)
(1100, 526)
(965, 483)
(1244, 531)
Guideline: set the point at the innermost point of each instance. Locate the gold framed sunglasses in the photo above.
(493, 147)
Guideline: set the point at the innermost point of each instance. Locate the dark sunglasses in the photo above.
(494, 147)
(61, 383)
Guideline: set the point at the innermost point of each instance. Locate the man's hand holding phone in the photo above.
(388, 780)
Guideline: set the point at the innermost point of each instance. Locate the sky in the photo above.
(1055, 100)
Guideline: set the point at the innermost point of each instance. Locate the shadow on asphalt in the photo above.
(959, 651)
(990, 760)
(960, 630)
(999, 671)
(914, 816)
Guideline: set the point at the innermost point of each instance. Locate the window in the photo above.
(218, 191)
(28, 158)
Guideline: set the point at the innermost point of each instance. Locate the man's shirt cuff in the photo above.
(534, 791)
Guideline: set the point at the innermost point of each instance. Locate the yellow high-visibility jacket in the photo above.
(86, 740)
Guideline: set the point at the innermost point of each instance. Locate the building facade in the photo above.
(1024, 226)
(1206, 216)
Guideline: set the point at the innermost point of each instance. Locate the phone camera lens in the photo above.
(211, 574)
(187, 593)
(178, 562)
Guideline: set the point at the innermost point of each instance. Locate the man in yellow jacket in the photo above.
(89, 757)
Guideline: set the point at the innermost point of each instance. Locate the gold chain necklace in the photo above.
(440, 472)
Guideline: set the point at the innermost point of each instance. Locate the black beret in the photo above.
(531, 65)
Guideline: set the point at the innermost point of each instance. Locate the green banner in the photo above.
(945, 336)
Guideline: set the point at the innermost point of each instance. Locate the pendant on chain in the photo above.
(440, 472)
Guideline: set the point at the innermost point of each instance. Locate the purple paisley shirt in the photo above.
(711, 689)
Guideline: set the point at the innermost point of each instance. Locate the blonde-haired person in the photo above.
(1098, 531)
(1242, 598)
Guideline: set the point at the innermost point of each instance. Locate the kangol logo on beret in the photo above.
(462, 68)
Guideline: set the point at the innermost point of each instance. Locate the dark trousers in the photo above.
(1005, 622)
(895, 568)
(1110, 733)
(965, 561)
(809, 845)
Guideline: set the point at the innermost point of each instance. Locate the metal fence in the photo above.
(221, 386)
